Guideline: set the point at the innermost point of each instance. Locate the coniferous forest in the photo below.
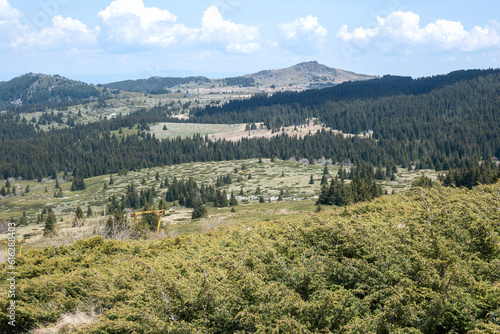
(436, 122)
(424, 260)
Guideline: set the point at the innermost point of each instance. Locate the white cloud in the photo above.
(64, 33)
(307, 28)
(129, 22)
(215, 28)
(404, 27)
(243, 48)
(7, 12)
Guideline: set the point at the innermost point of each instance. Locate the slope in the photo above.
(424, 262)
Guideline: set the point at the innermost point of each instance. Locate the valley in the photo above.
(270, 186)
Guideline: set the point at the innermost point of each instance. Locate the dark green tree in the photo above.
(199, 210)
(50, 225)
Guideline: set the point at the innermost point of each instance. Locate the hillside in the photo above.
(302, 76)
(426, 261)
(40, 89)
(306, 75)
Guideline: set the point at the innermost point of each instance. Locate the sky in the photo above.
(105, 41)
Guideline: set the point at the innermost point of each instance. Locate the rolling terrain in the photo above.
(257, 235)
(302, 76)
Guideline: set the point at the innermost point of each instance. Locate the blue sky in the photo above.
(106, 40)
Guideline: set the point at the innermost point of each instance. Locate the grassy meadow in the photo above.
(272, 178)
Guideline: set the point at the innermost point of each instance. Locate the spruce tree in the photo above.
(199, 210)
(311, 180)
(50, 225)
(78, 212)
(78, 183)
(89, 211)
(233, 201)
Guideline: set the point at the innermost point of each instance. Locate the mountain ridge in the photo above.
(306, 75)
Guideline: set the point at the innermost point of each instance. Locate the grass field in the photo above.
(271, 177)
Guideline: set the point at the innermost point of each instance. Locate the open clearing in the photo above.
(232, 132)
(271, 178)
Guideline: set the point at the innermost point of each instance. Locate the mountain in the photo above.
(50, 90)
(156, 84)
(302, 76)
(306, 75)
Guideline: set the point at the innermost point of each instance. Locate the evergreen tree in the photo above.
(89, 211)
(50, 225)
(3, 192)
(111, 181)
(24, 220)
(233, 201)
(78, 183)
(257, 190)
(261, 199)
(199, 210)
(311, 180)
(78, 212)
(78, 221)
(116, 224)
(325, 170)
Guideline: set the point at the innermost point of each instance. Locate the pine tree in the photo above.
(78, 221)
(233, 201)
(24, 220)
(261, 199)
(199, 210)
(89, 211)
(78, 212)
(157, 176)
(78, 183)
(111, 181)
(311, 180)
(50, 225)
(325, 170)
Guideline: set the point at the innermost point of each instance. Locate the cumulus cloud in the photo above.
(64, 33)
(307, 28)
(215, 28)
(7, 12)
(129, 22)
(404, 27)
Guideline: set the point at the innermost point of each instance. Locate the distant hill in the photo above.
(302, 76)
(155, 84)
(50, 90)
(306, 75)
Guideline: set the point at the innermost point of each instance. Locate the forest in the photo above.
(444, 121)
(153, 84)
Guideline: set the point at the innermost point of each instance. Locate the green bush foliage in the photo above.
(427, 261)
